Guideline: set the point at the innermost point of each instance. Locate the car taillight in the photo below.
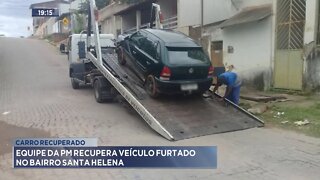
(165, 74)
(210, 72)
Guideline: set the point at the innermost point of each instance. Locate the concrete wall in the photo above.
(107, 25)
(189, 13)
(311, 21)
(56, 27)
(129, 20)
(312, 73)
(112, 9)
(168, 8)
(145, 16)
(64, 8)
(118, 25)
(252, 51)
(217, 10)
(49, 25)
(311, 50)
(240, 4)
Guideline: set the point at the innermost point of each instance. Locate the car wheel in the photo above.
(75, 84)
(151, 87)
(121, 57)
(97, 91)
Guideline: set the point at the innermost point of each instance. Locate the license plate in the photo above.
(189, 87)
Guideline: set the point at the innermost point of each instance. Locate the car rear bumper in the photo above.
(174, 87)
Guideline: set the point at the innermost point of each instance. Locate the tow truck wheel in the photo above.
(97, 91)
(151, 87)
(75, 84)
(121, 57)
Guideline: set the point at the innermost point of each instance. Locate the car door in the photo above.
(149, 55)
(138, 49)
(134, 43)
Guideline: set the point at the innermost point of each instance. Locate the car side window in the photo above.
(137, 38)
(149, 47)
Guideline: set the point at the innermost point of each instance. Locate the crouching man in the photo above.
(233, 83)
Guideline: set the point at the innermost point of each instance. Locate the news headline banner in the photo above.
(204, 157)
(55, 142)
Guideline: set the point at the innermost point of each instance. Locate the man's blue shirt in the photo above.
(231, 79)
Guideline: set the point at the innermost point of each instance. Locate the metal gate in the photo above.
(291, 15)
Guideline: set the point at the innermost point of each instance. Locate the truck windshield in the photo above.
(181, 56)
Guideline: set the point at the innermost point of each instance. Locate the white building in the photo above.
(269, 43)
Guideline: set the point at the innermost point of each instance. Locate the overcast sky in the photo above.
(15, 17)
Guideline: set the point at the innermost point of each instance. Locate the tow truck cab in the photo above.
(79, 66)
(77, 42)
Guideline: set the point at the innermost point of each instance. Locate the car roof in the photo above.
(172, 39)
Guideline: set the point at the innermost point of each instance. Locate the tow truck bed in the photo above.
(184, 117)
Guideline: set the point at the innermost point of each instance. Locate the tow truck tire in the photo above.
(151, 86)
(97, 91)
(75, 84)
(103, 91)
(121, 57)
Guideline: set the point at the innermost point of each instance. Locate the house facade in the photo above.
(235, 33)
(269, 43)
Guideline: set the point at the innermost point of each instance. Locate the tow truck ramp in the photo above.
(175, 118)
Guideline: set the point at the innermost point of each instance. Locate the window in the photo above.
(291, 15)
(137, 38)
(150, 47)
(147, 45)
(190, 56)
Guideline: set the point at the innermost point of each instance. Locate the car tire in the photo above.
(151, 86)
(121, 58)
(75, 84)
(97, 91)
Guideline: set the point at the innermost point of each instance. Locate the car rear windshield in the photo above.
(188, 56)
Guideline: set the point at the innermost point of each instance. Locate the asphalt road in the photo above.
(36, 99)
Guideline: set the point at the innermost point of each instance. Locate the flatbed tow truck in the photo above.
(174, 118)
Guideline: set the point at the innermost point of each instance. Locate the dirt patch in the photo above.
(10, 132)
(289, 112)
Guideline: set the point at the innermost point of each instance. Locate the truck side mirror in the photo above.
(62, 48)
